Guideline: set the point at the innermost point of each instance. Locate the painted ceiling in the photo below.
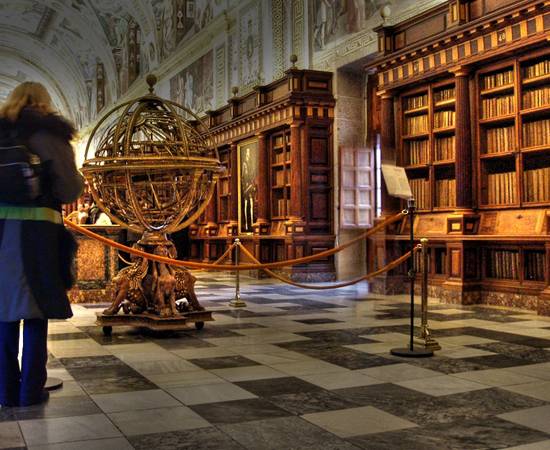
(69, 45)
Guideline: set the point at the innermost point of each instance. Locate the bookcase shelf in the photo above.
(280, 174)
(498, 119)
(427, 144)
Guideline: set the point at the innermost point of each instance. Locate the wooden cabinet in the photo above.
(471, 105)
(277, 192)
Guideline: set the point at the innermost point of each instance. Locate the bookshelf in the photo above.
(280, 150)
(224, 187)
(514, 132)
(428, 144)
(468, 108)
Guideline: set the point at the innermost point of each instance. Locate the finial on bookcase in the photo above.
(293, 60)
(235, 90)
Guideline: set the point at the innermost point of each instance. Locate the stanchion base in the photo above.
(53, 383)
(237, 303)
(406, 352)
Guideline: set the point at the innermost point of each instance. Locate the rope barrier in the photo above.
(194, 265)
(367, 276)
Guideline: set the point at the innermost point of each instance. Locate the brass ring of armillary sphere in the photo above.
(154, 169)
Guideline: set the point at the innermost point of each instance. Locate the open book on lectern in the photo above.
(396, 181)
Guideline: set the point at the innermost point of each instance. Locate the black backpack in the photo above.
(20, 172)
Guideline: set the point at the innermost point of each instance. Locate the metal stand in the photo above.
(237, 302)
(53, 384)
(426, 337)
(411, 352)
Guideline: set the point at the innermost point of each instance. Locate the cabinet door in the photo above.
(356, 187)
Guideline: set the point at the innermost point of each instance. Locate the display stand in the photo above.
(52, 384)
(411, 351)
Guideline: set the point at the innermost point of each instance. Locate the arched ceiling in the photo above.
(61, 42)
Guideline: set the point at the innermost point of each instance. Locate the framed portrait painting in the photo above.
(247, 153)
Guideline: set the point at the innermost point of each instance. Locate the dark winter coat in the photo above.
(35, 254)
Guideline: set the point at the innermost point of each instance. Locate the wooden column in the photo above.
(463, 142)
(263, 183)
(234, 210)
(296, 207)
(387, 145)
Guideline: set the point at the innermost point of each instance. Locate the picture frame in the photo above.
(248, 172)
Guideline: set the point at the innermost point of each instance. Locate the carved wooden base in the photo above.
(154, 322)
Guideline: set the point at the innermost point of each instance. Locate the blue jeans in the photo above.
(23, 386)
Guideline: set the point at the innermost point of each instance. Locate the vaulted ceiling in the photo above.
(61, 43)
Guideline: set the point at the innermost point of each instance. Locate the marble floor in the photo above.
(295, 369)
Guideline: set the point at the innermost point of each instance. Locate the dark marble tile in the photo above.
(67, 336)
(97, 373)
(317, 321)
(240, 313)
(239, 411)
(443, 364)
(116, 384)
(534, 342)
(201, 439)
(491, 433)
(287, 433)
(278, 386)
(335, 337)
(497, 361)
(91, 362)
(311, 402)
(58, 407)
(508, 337)
(352, 359)
(313, 304)
(223, 362)
(123, 335)
(95, 305)
(534, 355)
(7, 414)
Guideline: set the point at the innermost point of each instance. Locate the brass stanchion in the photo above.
(410, 351)
(425, 334)
(237, 302)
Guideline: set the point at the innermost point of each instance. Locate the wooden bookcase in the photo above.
(276, 144)
(470, 105)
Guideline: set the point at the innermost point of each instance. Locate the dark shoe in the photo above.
(44, 396)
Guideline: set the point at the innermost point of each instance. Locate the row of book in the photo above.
(501, 188)
(444, 119)
(536, 185)
(445, 192)
(497, 106)
(534, 265)
(445, 148)
(416, 102)
(280, 179)
(416, 124)
(500, 139)
(536, 133)
(281, 157)
(444, 95)
(418, 151)
(502, 264)
(498, 79)
(420, 188)
(535, 98)
(282, 207)
(223, 186)
(537, 70)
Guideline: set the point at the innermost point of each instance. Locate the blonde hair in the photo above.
(27, 95)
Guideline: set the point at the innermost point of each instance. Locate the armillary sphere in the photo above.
(153, 172)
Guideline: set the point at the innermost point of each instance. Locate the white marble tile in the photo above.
(190, 378)
(535, 389)
(157, 420)
(399, 372)
(103, 444)
(247, 373)
(10, 435)
(210, 393)
(495, 377)
(442, 385)
(358, 421)
(134, 401)
(535, 418)
(340, 380)
(66, 429)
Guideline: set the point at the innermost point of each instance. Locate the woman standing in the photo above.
(34, 246)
